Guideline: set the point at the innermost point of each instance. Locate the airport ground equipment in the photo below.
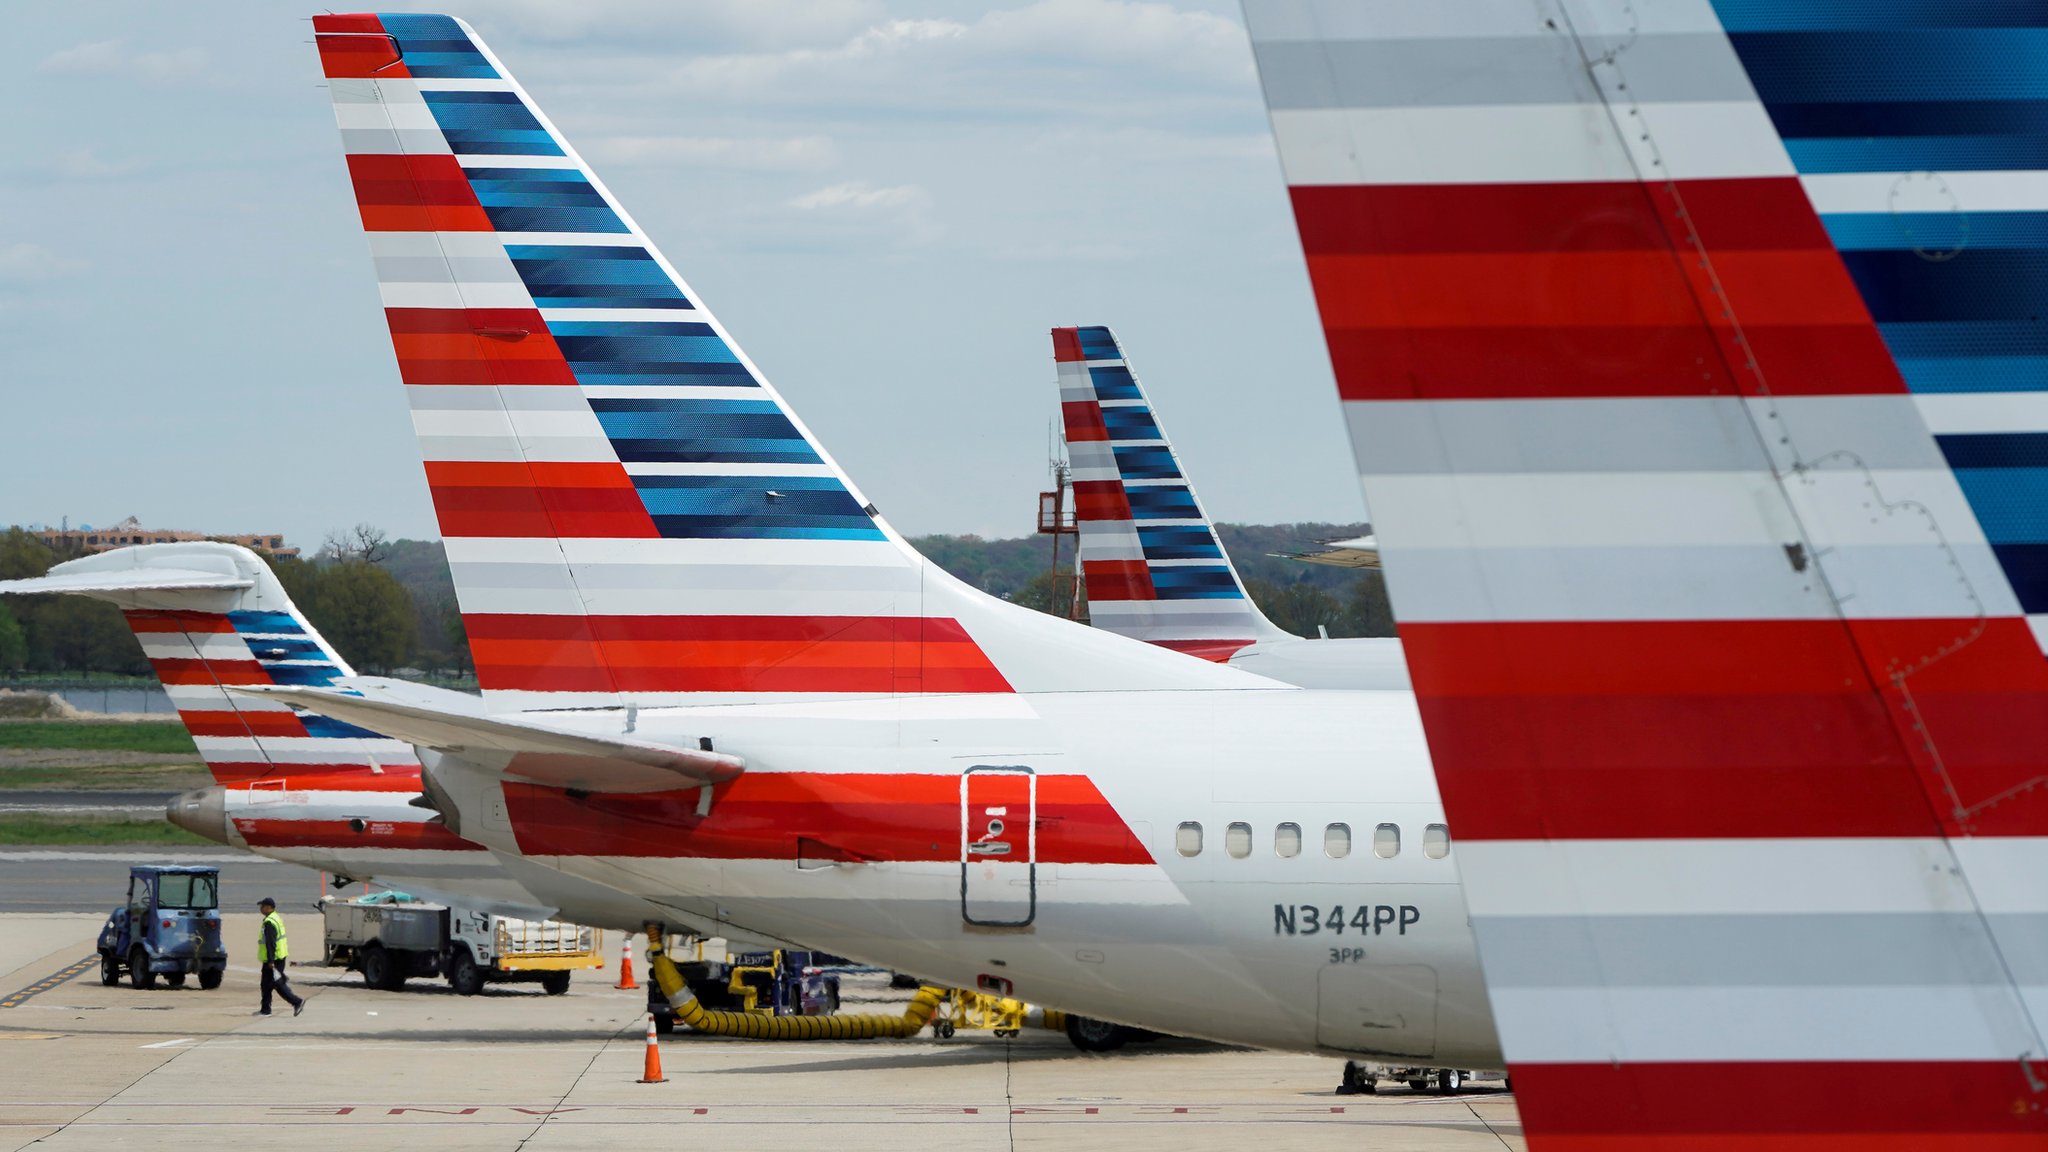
(170, 927)
(390, 938)
(688, 1010)
(780, 982)
(1004, 1015)
(1362, 1076)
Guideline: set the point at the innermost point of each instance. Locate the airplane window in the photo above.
(1287, 840)
(1337, 841)
(1436, 841)
(1237, 839)
(1187, 840)
(1386, 841)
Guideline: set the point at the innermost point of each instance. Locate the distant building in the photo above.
(130, 531)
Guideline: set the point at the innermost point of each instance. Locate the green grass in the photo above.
(99, 736)
(18, 829)
(105, 777)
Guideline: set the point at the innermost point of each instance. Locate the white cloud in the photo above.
(25, 263)
(112, 58)
(860, 196)
(793, 154)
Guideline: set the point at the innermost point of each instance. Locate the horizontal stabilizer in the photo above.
(132, 580)
(519, 750)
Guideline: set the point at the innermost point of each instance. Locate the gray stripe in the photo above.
(1847, 950)
(1684, 434)
(386, 142)
(1493, 71)
(472, 398)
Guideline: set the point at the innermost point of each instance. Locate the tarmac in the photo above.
(91, 1067)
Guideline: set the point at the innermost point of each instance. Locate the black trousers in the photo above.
(274, 978)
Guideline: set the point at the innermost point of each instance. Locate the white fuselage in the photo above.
(1045, 844)
(1371, 663)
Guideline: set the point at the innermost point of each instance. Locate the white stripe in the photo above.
(417, 117)
(301, 749)
(460, 84)
(415, 294)
(561, 424)
(760, 601)
(468, 160)
(1873, 192)
(744, 391)
(1652, 1025)
(1534, 143)
(1949, 413)
(1579, 878)
(509, 449)
(1276, 21)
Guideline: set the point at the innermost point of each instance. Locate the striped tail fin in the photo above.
(1694, 359)
(1154, 568)
(212, 617)
(632, 514)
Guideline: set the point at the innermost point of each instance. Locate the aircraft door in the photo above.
(998, 846)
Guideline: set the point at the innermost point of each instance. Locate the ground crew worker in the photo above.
(271, 950)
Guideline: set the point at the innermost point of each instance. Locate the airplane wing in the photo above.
(515, 749)
(1691, 353)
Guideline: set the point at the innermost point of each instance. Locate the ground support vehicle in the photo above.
(391, 938)
(1362, 1076)
(784, 982)
(170, 927)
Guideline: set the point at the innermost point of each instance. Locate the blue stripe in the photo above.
(1945, 154)
(1098, 344)
(541, 200)
(1938, 233)
(1130, 424)
(583, 276)
(1178, 542)
(1169, 503)
(647, 352)
(2008, 284)
(1114, 382)
(702, 431)
(489, 123)
(434, 47)
(1820, 15)
(326, 729)
(245, 621)
(1974, 373)
(1896, 64)
(2026, 569)
(1146, 462)
(739, 507)
(1202, 583)
(2011, 503)
(303, 675)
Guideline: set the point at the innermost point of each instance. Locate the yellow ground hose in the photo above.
(754, 1027)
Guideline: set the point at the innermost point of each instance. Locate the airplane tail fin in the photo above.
(1694, 360)
(1154, 567)
(632, 513)
(211, 617)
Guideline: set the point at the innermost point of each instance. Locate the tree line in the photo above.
(388, 604)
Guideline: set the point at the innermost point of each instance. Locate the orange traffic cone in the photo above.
(626, 967)
(651, 1074)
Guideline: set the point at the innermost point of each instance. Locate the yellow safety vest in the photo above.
(283, 950)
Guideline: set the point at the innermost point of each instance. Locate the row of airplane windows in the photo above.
(1386, 840)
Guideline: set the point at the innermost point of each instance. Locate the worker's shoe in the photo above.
(259, 1012)
(298, 1008)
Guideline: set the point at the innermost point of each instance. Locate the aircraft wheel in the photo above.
(1095, 1035)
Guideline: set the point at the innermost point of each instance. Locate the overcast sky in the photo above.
(887, 204)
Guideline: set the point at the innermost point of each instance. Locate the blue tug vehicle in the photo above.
(170, 927)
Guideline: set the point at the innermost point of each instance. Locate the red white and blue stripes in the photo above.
(632, 513)
(1155, 570)
(1732, 699)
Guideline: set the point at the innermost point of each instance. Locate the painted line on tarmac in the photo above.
(64, 976)
(180, 1041)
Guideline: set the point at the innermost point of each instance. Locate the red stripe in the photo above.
(1219, 651)
(1603, 217)
(424, 193)
(1733, 728)
(1835, 1106)
(357, 55)
(762, 815)
(347, 22)
(475, 346)
(1066, 345)
(185, 671)
(728, 654)
(242, 723)
(160, 620)
(1510, 291)
(264, 832)
(1096, 500)
(1118, 580)
(567, 500)
(1083, 421)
